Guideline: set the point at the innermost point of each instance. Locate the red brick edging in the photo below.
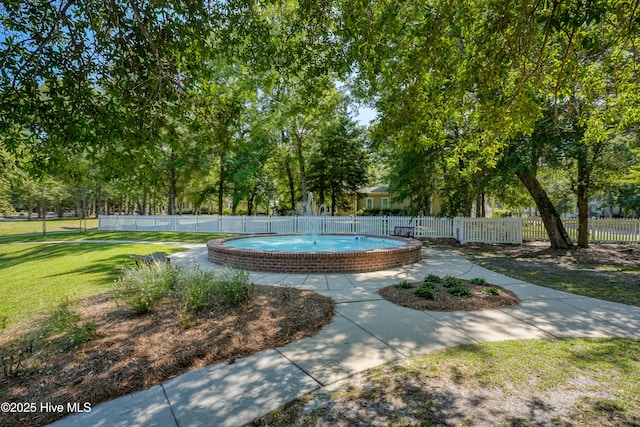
(314, 262)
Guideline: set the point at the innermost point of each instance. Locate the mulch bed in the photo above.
(133, 352)
(444, 301)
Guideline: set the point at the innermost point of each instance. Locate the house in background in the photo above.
(379, 199)
(375, 199)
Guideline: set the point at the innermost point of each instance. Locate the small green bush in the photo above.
(142, 286)
(64, 323)
(450, 281)
(195, 289)
(4, 321)
(433, 278)
(490, 290)
(191, 288)
(460, 291)
(405, 285)
(233, 289)
(428, 290)
(61, 330)
(478, 281)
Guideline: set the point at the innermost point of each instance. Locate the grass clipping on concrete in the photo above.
(123, 351)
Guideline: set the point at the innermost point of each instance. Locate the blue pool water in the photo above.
(330, 243)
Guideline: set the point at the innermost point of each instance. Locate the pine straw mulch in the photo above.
(445, 301)
(134, 352)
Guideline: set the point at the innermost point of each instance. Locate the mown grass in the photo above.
(138, 236)
(36, 277)
(74, 229)
(607, 283)
(8, 228)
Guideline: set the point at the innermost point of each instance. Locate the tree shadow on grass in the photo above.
(426, 391)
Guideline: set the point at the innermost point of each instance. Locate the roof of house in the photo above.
(374, 190)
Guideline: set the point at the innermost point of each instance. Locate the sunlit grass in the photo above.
(8, 228)
(617, 284)
(36, 277)
(139, 236)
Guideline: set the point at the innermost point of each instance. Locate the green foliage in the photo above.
(428, 290)
(233, 289)
(450, 281)
(490, 290)
(433, 278)
(455, 286)
(478, 281)
(459, 291)
(338, 168)
(60, 330)
(4, 321)
(190, 287)
(405, 284)
(629, 198)
(197, 289)
(141, 287)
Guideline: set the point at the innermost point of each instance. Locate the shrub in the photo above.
(450, 281)
(60, 331)
(197, 289)
(233, 289)
(478, 281)
(428, 290)
(490, 290)
(433, 278)
(194, 288)
(142, 286)
(405, 285)
(64, 324)
(459, 291)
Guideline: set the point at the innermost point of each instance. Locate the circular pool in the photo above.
(333, 253)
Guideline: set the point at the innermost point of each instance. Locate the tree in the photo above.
(339, 166)
(494, 64)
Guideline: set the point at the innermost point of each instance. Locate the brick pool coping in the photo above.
(314, 262)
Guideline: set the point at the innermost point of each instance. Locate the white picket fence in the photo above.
(479, 230)
(488, 230)
(612, 230)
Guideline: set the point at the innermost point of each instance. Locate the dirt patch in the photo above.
(445, 301)
(134, 352)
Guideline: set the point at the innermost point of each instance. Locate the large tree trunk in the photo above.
(301, 165)
(173, 191)
(582, 193)
(221, 185)
(292, 185)
(250, 200)
(552, 222)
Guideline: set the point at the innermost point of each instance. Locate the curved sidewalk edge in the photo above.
(366, 331)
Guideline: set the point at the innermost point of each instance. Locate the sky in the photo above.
(365, 115)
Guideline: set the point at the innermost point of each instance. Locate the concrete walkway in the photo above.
(366, 331)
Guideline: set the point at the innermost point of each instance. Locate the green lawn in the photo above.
(8, 228)
(36, 277)
(140, 236)
(616, 284)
